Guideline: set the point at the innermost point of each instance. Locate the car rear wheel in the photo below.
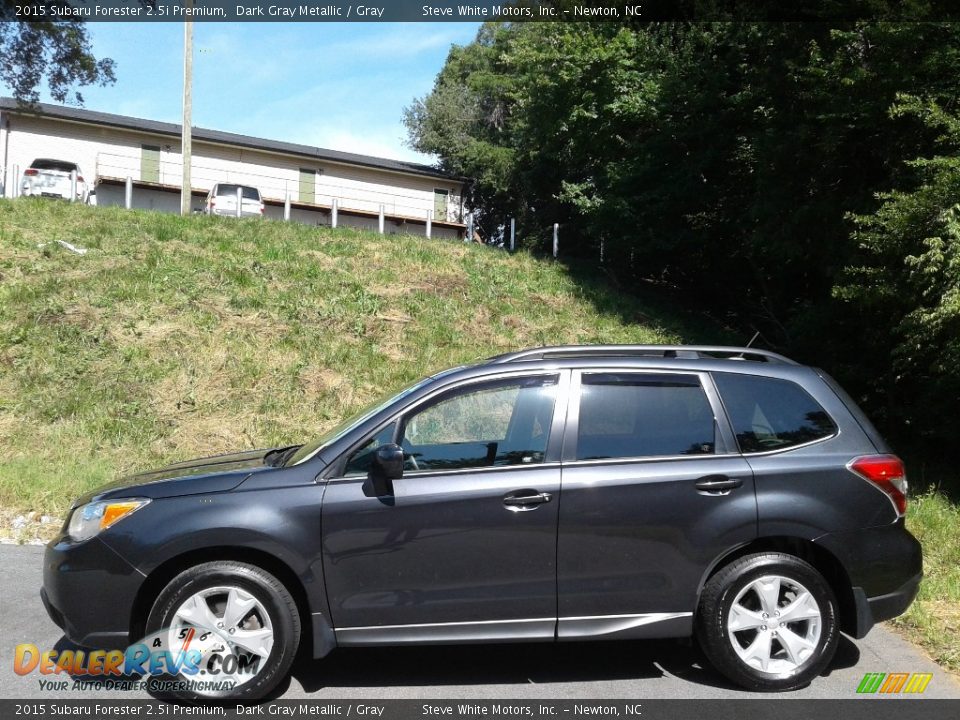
(768, 622)
(240, 625)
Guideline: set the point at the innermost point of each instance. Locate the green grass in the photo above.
(174, 337)
(933, 620)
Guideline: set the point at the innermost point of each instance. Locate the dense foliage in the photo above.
(797, 178)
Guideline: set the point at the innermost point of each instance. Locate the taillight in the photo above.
(261, 208)
(79, 178)
(31, 171)
(887, 473)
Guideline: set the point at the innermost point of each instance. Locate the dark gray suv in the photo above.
(564, 493)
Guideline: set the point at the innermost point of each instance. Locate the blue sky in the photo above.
(335, 85)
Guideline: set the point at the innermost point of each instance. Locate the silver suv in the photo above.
(222, 200)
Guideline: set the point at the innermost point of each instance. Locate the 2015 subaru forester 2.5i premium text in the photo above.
(558, 494)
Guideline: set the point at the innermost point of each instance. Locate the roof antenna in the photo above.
(741, 356)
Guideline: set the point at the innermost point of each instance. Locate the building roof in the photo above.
(93, 117)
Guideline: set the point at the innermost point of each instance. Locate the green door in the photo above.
(440, 198)
(308, 185)
(150, 163)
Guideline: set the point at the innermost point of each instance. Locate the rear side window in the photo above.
(771, 414)
(625, 415)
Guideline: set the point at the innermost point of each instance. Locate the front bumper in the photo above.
(89, 592)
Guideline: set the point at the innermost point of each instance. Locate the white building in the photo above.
(111, 148)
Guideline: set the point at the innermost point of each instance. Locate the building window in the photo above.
(440, 203)
(308, 185)
(150, 163)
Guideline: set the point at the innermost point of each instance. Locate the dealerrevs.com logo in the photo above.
(894, 683)
(170, 660)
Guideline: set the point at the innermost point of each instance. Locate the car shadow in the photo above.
(532, 663)
(513, 664)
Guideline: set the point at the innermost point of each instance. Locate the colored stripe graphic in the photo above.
(894, 682)
(871, 682)
(918, 682)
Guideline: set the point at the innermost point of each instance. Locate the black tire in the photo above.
(275, 600)
(713, 614)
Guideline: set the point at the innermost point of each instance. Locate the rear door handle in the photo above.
(717, 484)
(528, 500)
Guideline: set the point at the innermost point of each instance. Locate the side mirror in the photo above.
(386, 466)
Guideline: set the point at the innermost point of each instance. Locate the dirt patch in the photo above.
(210, 435)
(317, 381)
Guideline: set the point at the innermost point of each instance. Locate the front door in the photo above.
(464, 546)
(440, 204)
(653, 493)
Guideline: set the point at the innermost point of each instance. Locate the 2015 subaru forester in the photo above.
(561, 494)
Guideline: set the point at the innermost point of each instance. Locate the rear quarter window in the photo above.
(770, 413)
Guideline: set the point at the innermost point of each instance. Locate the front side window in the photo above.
(629, 415)
(504, 422)
(360, 460)
(771, 414)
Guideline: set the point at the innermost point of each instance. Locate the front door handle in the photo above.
(717, 484)
(526, 500)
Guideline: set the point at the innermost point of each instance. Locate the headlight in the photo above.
(88, 520)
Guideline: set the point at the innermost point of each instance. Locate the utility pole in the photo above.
(186, 139)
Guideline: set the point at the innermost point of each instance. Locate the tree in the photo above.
(723, 161)
(37, 44)
(905, 284)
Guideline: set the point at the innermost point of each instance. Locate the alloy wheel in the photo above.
(774, 624)
(230, 628)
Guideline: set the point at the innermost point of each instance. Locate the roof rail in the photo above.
(687, 352)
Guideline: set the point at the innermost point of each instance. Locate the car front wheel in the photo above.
(239, 624)
(768, 622)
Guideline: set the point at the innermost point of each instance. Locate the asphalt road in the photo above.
(652, 669)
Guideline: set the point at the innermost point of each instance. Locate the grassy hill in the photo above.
(173, 337)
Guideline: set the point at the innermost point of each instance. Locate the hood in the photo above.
(217, 473)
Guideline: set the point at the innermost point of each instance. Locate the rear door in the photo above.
(653, 491)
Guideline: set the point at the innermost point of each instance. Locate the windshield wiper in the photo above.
(278, 457)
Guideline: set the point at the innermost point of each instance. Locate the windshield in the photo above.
(312, 448)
